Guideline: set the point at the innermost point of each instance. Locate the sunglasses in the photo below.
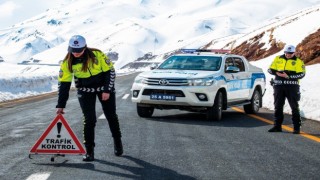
(288, 52)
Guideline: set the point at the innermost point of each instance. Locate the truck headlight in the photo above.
(201, 82)
(139, 80)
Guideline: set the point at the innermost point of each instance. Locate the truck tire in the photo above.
(254, 106)
(215, 112)
(144, 112)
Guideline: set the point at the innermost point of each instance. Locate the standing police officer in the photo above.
(94, 77)
(288, 69)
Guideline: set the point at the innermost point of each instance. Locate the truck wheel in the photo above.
(215, 112)
(144, 111)
(254, 106)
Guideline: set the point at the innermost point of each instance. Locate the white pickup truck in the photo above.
(200, 82)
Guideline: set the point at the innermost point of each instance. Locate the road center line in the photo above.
(39, 176)
(287, 128)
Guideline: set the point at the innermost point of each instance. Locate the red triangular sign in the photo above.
(58, 139)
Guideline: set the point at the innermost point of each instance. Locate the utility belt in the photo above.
(285, 82)
(91, 90)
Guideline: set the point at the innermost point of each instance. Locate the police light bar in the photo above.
(205, 50)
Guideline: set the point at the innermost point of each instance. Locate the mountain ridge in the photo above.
(135, 28)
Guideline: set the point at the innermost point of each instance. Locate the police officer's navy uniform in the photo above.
(287, 88)
(99, 78)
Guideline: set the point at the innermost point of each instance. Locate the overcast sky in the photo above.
(15, 11)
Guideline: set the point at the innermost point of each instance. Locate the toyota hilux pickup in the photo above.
(197, 81)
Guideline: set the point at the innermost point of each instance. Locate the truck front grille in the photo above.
(166, 82)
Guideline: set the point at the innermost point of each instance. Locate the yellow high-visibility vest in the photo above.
(281, 64)
(102, 64)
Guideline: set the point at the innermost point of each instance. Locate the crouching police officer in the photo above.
(94, 76)
(288, 69)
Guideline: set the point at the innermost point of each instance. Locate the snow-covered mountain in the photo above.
(144, 29)
(133, 28)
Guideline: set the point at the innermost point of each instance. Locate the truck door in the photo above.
(237, 81)
(244, 78)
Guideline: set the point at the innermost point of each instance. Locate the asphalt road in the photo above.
(170, 145)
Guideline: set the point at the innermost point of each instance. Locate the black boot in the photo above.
(89, 155)
(296, 130)
(297, 126)
(118, 149)
(275, 129)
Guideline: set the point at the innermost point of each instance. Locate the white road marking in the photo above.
(102, 117)
(39, 176)
(125, 96)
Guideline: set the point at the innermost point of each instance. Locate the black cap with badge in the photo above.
(76, 44)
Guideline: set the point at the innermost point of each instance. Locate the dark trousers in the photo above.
(292, 94)
(87, 102)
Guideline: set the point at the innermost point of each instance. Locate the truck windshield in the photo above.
(203, 63)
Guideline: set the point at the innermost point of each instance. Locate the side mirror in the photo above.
(232, 69)
(153, 66)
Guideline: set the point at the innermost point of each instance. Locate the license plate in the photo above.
(163, 97)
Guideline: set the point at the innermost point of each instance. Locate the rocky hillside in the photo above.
(308, 50)
(265, 40)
